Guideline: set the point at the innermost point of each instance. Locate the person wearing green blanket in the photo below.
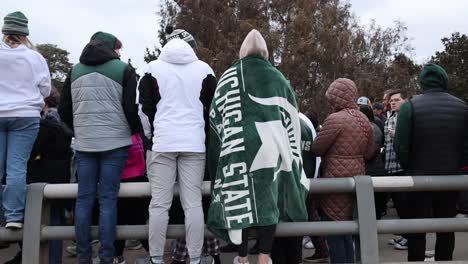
(254, 152)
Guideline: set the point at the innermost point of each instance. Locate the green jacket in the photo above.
(98, 98)
(432, 78)
(402, 138)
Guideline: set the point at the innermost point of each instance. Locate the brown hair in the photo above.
(388, 91)
(53, 99)
(401, 92)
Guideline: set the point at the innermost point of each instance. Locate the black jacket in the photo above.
(51, 154)
(439, 127)
(375, 166)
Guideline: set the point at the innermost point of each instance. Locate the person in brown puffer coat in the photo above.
(344, 143)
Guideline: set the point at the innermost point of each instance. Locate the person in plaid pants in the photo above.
(210, 247)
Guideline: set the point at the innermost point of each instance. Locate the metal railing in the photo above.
(36, 233)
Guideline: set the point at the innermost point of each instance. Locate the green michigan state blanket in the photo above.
(254, 150)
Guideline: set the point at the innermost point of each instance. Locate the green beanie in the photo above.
(433, 76)
(110, 40)
(15, 23)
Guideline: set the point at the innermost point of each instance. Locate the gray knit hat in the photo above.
(15, 23)
(181, 34)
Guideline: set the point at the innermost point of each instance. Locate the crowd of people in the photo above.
(242, 131)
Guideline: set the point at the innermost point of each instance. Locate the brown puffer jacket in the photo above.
(344, 142)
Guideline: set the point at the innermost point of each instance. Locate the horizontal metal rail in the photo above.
(317, 186)
(10, 236)
(175, 231)
(283, 230)
(420, 183)
(39, 194)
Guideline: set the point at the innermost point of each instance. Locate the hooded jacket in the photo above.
(432, 127)
(98, 98)
(174, 96)
(344, 143)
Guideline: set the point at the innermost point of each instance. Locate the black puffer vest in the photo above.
(438, 133)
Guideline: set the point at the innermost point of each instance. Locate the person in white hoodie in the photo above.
(175, 94)
(24, 83)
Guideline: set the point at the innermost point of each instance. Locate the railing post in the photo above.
(32, 224)
(368, 239)
(45, 221)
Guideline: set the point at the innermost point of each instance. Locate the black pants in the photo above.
(265, 236)
(287, 250)
(427, 205)
(131, 211)
(381, 200)
(400, 202)
(462, 204)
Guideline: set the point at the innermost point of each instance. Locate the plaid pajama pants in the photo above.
(210, 247)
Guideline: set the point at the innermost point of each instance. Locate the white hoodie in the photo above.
(178, 123)
(24, 81)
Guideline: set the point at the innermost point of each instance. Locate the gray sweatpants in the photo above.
(163, 169)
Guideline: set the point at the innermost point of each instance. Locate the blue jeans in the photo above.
(105, 168)
(2, 214)
(57, 218)
(17, 136)
(340, 248)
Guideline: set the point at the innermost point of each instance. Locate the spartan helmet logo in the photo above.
(281, 139)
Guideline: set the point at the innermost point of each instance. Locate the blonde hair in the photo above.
(15, 39)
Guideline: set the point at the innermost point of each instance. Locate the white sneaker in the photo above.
(14, 225)
(152, 260)
(394, 240)
(307, 243)
(71, 250)
(236, 261)
(401, 244)
(429, 259)
(460, 215)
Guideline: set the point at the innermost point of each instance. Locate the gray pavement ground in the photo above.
(387, 253)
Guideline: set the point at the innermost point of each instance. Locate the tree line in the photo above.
(312, 42)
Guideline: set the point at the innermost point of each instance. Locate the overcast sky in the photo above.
(70, 24)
